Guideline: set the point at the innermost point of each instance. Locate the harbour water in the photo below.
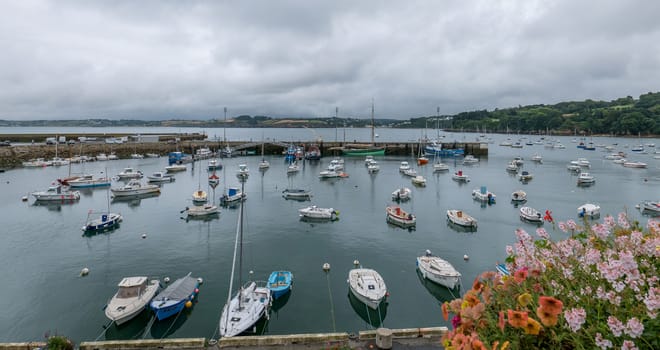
(42, 249)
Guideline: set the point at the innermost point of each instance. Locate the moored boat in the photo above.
(105, 221)
(525, 176)
(437, 167)
(634, 164)
(460, 176)
(518, 196)
(214, 164)
(133, 295)
(483, 195)
(585, 179)
(438, 270)
(314, 212)
(174, 298)
(160, 176)
(401, 194)
(199, 196)
(397, 216)
(56, 193)
(233, 194)
(588, 210)
(530, 214)
(129, 173)
(461, 218)
(134, 188)
(297, 194)
(89, 181)
(175, 168)
(652, 207)
(419, 180)
(279, 283)
(367, 286)
(470, 159)
(201, 210)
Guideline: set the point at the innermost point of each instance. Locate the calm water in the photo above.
(42, 250)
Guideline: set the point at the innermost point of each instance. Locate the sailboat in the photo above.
(264, 164)
(369, 150)
(251, 302)
(199, 196)
(421, 158)
(106, 221)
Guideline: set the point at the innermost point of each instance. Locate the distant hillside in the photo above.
(623, 116)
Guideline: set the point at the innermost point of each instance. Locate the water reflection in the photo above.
(134, 201)
(460, 228)
(372, 317)
(440, 293)
(54, 205)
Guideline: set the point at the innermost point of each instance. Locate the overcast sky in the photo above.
(189, 59)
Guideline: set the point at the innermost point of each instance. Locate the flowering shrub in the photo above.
(597, 289)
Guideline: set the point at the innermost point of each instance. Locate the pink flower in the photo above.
(623, 221)
(628, 345)
(592, 256)
(634, 328)
(615, 326)
(456, 321)
(600, 230)
(542, 233)
(602, 343)
(562, 226)
(571, 224)
(609, 221)
(576, 317)
(652, 299)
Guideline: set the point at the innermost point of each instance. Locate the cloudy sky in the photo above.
(189, 59)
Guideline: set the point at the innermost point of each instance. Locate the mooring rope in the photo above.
(332, 307)
(172, 325)
(147, 328)
(105, 329)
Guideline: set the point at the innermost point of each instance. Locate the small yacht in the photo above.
(470, 159)
(585, 179)
(404, 166)
(438, 270)
(160, 176)
(460, 176)
(401, 194)
(438, 167)
(243, 171)
(419, 180)
(133, 295)
(537, 158)
(518, 196)
(483, 195)
(129, 173)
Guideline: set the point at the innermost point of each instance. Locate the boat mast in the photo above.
(240, 259)
(372, 122)
(239, 235)
(437, 125)
(336, 113)
(224, 127)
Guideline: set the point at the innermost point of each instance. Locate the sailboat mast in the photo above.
(240, 259)
(372, 121)
(224, 127)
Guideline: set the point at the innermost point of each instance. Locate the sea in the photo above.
(43, 250)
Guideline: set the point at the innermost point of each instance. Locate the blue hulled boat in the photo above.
(105, 221)
(279, 283)
(435, 149)
(174, 298)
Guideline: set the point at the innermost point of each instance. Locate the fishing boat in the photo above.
(105, 221)
(512, 167)
(297, 194)
(460, 176)
(250, 302)
(410, 172)
(525, 176)
(134, 188)
(634, 164)
(56, 193)
(530, 214)
(460, 218)
(233, 194)
(418, 180)
(196, 211)
(438, 270)
(588, 210)
(401, 194)
(175, 297)
(373, 167)
(279, 283)
(518, 196)
(483, 195)
(159, 177)
(470, 159)
(314, 212)
(399, 217)
(89, 181)
(214, 164)
(438, 167)
(585, 179)
(175, 168)
(133, 295)
(403, 166)
(435, 148)
(313, 153)
(367, 286)
(129, 173)
(649, 206)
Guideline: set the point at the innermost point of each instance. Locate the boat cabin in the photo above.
(131, 287)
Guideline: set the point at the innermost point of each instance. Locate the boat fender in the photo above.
(196, 290)
(166, 280)
(189, 304)
(200, 280)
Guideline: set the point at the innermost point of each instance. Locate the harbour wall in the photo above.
(427, 338)
(14, 155)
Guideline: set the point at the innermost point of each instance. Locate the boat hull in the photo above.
(186, 290)
(372, 297)
(121, 313)
(235, 320)
(364, 152)
(448, 280)
(279, 283)
(105, 222)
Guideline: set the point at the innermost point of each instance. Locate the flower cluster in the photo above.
(597, 289)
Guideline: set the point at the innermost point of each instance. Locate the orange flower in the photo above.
(551, 305)
(459, 341)
(505, 345)
(532, 327)
(495, 344)
(500, 322)
(520, 276)
(517, 319)
(477, 285)
(445, 312)
(471, 299)
(547, 318)
(524, 299)
(478, 345)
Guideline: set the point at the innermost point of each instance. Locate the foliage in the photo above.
(58, 342)
(596, 289)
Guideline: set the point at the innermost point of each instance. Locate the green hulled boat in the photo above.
(371, 151)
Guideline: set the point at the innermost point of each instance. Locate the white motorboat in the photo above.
(530, 214)
(373, 167)
(137, 156)
(264, 164)
(559, 145)
(297, 194)
(525, 176)
(88, 181)
(410, 172)
(134, 188)
(368, 160)
(518, 196)
(133, 295)
(461, 218)
(233, 194)
(437, 167)
(401, 194)
(652, 207)
(518, 160)
(418, 180)
(213, 164)
(368, 286)
(620, 161)
(199, 196)
(634, 164)
(460, 176)
(328, 174)
(573, 167)
(583, 162)
(201, 210)
(397, 216)
(512, 167)
(56, 193)
(175, 168)
(152, 155)
(404, 166)
(243, 171)
(314, 212)
(470, 159)
(101, 157)
(483, 195)
(588, 210)
(129, 173)
(37, 163)
(438, 270)
(293, 168)
(160, 176)
(537, 158)
(585, 179)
